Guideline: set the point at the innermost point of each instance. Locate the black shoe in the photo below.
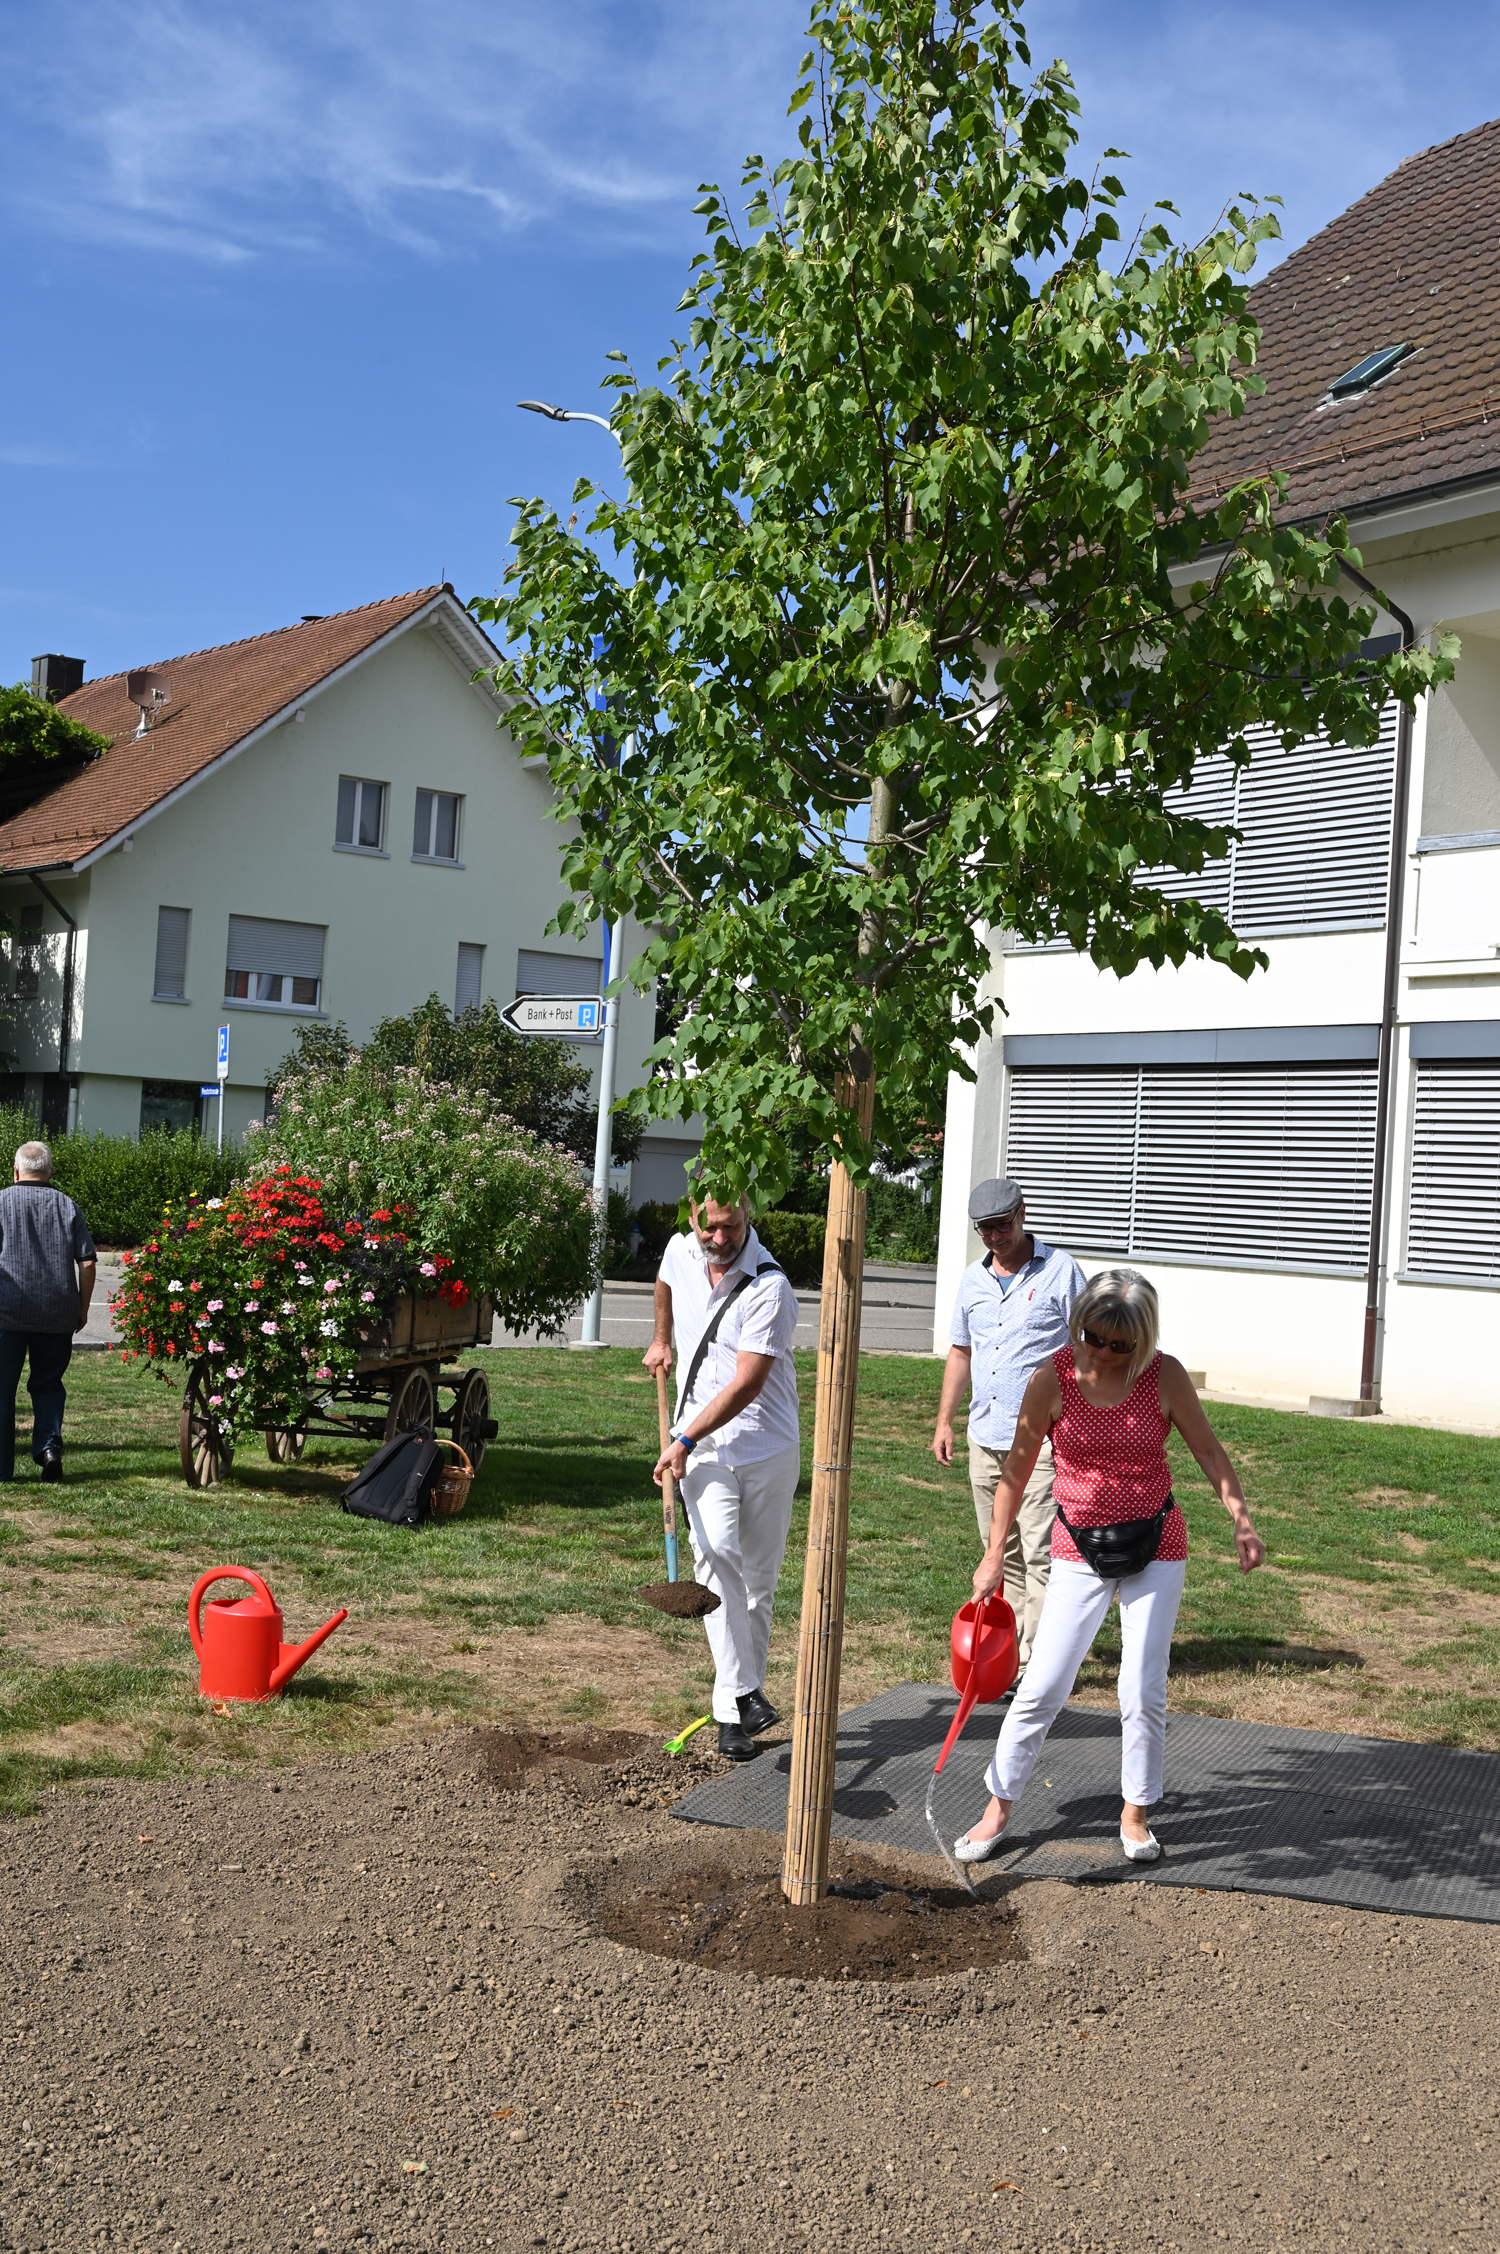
(51, 1463)
(736, 1744)
(757, 1713)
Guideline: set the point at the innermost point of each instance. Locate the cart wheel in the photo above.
(285, 1442)
(206, 1453)
(471, 1413)
(413, 1404)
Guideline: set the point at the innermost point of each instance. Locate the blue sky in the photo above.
(275, 274)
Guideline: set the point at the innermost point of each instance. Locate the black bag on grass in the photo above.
(397, 1482)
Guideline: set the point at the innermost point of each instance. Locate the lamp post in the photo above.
(593, 1312)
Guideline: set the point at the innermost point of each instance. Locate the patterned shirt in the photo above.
(1010, 1324)
(42, 1238)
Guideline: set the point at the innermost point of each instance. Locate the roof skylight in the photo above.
(1369, 371)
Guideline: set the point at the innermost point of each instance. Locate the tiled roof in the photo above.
(1416, 261)
(218, 697)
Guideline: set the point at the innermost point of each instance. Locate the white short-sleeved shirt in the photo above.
(761, 1321)
(1010, 1324)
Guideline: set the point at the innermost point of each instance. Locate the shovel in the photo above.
(685, 1600)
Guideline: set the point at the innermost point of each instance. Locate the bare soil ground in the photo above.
(383, 2003)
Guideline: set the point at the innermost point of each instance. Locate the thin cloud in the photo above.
(175, 126)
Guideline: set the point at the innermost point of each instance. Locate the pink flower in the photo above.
(323, 1373)
(367, 1297)
(331, 1285)
(252, 1306)
(270, 1329)
(215, 1400)
(428, 1269)
(233, 1372)
(214, 1305)
(216, 1346)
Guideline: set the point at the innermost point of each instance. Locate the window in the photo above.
(170, 982)
(470, 977)
(279, 965)
(1369, 371)
(361, 819)
(1315, 853)
(435, 836)
(29, 953)
(538, 973)
(1453, 1224)
(173, 1104)
(1234, 1166)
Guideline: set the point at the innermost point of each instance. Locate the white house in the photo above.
(1308, 1164)
(315, 824)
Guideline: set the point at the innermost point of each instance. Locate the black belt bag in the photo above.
(1115, 1552)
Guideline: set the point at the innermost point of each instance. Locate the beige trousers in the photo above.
(1028, 1546)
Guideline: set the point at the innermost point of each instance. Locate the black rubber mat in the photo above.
(1373, 1823)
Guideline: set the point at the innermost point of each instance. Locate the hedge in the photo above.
(122, 1186)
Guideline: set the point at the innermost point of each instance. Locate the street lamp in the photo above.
(593, 1312)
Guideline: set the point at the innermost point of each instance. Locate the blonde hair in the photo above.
(1124, 1301)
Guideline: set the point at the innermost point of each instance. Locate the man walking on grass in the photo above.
(735, 1450)
(47, 1270)
(1011, 1313)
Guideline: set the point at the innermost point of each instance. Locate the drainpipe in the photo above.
(1385, 1067)
(65, 1036)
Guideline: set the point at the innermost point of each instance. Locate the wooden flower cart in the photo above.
(396, 1387)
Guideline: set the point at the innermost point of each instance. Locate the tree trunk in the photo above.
(804, 1876)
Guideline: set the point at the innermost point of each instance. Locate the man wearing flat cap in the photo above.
(1011, 1313)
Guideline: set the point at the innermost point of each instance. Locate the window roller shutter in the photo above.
(1453, 1227)
(1068, 1143)
(170, 981)
(265, 944)
(538, 973)
(1316, 850)
(470, 974)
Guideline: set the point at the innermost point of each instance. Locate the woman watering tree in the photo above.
(1108, 1401)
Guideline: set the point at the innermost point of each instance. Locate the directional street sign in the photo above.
(223, 1067)
(210, 1087)
(578, 1015)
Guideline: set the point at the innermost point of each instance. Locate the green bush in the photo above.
(796, 1241)
(657, 1222)
(899, 1223)
(121, 1186)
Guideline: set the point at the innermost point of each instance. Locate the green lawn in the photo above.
(1380, 1609)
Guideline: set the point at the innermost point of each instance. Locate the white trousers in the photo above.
(738, 1516)
(1072, 1616)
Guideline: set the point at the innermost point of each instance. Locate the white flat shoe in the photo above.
(969, 1850)
(1147, 1850)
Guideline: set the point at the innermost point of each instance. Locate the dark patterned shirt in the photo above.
(42, 1238)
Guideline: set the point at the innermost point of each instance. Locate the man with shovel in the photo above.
(734, 1449)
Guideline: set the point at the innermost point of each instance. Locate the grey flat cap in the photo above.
(993, 1199)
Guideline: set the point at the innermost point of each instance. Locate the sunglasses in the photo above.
(1108, 1345)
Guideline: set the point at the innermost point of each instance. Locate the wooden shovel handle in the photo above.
(668, 1483)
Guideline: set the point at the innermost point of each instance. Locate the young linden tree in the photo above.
(914, 628)
(917, 623)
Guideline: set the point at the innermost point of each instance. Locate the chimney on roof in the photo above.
(55, 677)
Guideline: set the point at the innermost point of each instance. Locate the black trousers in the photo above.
(50, 1352)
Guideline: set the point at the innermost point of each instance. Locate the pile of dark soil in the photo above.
(681, 1600)
(512, 1759)
(866, 1928)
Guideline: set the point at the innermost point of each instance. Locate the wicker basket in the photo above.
(454, 1481)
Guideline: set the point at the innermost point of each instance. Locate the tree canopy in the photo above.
(32, 731)
(915, 618)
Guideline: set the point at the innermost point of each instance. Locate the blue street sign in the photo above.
(210, 1088)
(223, 1052)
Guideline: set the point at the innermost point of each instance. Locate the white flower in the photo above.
(288, 1307)
(214, 1203)
(329, 1330)
(175, 1284)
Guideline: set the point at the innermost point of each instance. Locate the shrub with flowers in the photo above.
(359, 1194)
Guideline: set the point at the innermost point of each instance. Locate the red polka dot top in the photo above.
(1112, 1462)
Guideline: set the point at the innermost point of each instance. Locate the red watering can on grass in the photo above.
(239, 1639)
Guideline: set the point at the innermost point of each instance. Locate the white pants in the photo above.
(1072, 1616)
(738, 1516)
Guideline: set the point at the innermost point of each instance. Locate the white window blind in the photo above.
(170, 982)
(538, 973)
(1453, 1221)
(1235, 1166)
(470, 977)
(1315, 854)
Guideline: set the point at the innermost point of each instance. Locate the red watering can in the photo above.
(239, 1640)
(984, 1663)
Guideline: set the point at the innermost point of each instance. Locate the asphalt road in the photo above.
(897, 1314)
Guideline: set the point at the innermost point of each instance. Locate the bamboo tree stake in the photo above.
(809, 1819)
